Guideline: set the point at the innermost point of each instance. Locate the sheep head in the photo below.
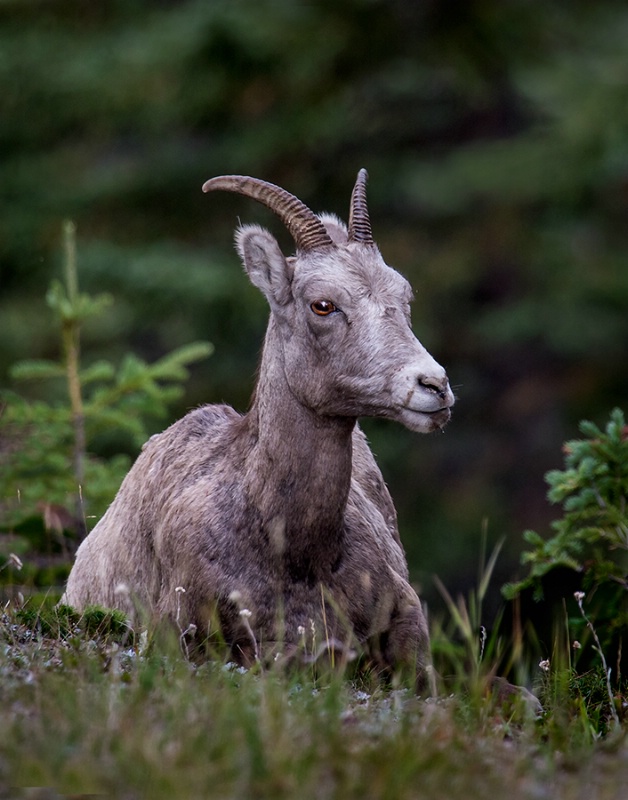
(341, 314)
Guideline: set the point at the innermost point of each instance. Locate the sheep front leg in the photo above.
(407, 646)
(402, 649)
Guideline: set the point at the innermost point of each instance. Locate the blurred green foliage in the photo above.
(52, 479)
(591, 537)
(495, 133)
(38, 440)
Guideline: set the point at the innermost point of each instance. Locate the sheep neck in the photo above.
(300, 471)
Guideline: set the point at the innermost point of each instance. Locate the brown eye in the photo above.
(322, 307)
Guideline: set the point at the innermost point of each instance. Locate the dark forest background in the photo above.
(495, 133)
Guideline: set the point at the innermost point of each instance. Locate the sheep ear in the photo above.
(335, 227)
(265, 264)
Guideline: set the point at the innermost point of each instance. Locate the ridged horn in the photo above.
(304, 226)
(359, 221)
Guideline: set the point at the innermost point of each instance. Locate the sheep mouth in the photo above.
(426, 420)
(441, 416)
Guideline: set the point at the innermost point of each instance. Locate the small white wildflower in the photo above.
(301, 630)
(544, 665)
(15, 561)
(244, 612)
(576, 645)
(579, 596)
(180, 590)
(191, 629)
(232, 666)
(235, 596)
(121, 590)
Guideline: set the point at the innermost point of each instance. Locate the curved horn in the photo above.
(304, 226)
(359, 222)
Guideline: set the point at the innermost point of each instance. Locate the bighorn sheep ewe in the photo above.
(277, 523)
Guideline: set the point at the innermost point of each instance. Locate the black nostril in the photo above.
(432, 387)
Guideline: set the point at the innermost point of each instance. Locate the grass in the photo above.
(85, 710)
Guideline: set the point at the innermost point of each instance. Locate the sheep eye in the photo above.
(322, 307)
